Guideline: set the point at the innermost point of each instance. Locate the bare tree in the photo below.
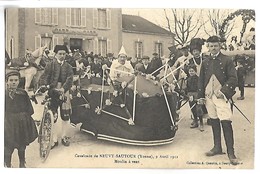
(185, 24)
(215, 19)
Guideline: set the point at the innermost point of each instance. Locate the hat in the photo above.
(184, 46)
(145, 57)
(110, 54)
(196, 43)
(61, 47)
(12, 73)
(122, 51)
(215, 39)
(155, 54)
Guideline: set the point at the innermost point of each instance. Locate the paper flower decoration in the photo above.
(108, 102)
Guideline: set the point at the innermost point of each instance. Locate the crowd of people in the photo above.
(207, 80)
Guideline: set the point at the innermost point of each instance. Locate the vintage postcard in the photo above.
(164, 88)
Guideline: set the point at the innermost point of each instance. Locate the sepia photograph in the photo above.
(129, 88)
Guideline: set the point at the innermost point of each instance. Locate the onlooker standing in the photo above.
(217, 83)
(145, 68)
(192, 92)
(156, 63)
(19, 127)
(241, 73)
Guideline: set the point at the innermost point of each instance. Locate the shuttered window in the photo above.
(46, 16)
(138, 49)
(102, 18)
(37, 41)
(76, 17)
(159, 49)
(102, 47)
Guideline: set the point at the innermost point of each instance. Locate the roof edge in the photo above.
(150, 33)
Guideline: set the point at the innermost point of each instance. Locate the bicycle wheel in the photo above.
(45, 134)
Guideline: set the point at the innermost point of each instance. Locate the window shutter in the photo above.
(68, 16)
(55, 41)
(109, 46)
(95, 18)
(37, 15)
(55, 16)
(83, 17)
(142, 49)
(95, 46)
(108, 18)
(155, 47)
(37, 42)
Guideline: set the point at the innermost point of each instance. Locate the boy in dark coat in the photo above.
(58, 75)
(19, 127)
(192, 91)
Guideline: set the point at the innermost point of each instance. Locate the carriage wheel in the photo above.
(45, 134)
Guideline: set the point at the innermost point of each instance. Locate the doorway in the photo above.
(75, 44)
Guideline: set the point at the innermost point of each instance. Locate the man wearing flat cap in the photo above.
(58, 75)
(216, 86)
(145, 68)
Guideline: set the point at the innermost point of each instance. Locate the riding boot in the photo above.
(21, 154)
(229, 139)
(217, 149)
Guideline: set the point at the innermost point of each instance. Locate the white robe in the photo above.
(127, 67)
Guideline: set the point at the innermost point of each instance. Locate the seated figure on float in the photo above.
(121, 65)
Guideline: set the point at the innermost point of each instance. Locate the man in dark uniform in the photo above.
(145, 68)
(58, 75)
(217, 83)
(156, 63)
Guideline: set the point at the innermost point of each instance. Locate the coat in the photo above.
(223, 68)
(54, 72)
(19, 127)
(142, 69)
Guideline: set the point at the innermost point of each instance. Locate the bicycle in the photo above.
(50, 115)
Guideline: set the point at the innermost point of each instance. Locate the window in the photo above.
(159, 49)
(46, 41)
(40, 41)
(46, 16)
(102, 18)
(138, 49)
(102, 47)
(76, 17)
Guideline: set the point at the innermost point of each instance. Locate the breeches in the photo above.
(218, 108)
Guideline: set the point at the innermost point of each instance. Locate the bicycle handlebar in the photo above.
(40, 89)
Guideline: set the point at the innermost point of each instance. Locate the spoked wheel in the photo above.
(45, 134)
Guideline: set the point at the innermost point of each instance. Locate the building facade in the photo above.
(142, 37)
(92, 30)
(98, 30)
